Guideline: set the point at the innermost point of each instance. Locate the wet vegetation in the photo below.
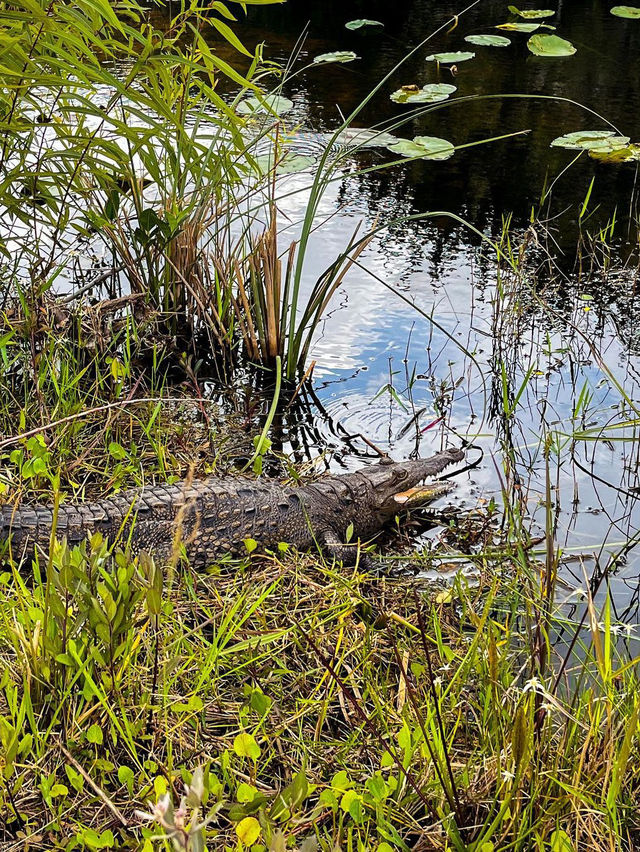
(178, 248)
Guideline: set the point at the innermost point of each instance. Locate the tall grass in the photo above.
(319, 704)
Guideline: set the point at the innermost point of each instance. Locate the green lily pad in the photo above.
(425, 147)
(270, 103)
(531, 14)
(429, 94)
(447, 58)
(619, 155)
(590, 140)
(550, 45)
(289, 164)
(363, 22)
(518, 27)
(336, 56)
(631, 12)
(364, 137)
(488, 40)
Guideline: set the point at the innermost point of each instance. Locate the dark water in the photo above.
(507, 176)
(574, 345)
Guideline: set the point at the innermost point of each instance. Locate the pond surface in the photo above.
(559, 347)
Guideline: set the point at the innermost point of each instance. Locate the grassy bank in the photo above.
(313, 706)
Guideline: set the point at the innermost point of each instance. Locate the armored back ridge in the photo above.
(216, 515)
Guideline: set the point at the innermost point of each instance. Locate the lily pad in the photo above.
(632, 12)
(532, 14)
(425, 147)
(519, 27)
(336, 56)
(448, 58)
(488, 40)
(270, 103)
(290, 164)
(550, 45)
(363, 22)
(620, 155)
(363, 137)
(590, 140)
(429, 94)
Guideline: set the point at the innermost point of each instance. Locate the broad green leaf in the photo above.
(351, 803)
(245, 745)
(126, 776)
(613, 143)
(426, 147)
(589, 140)
(519, 27)
(248, 830)
(488, 40)
(336, 56)
(363, 22)
(363, 137)
(289, 164)
(276, 104)
(429, 94)
(448, 58)
(377, 786)
(631, 12)
(531, 14)
(619, 155)
(245, 793)
(94, 734)
(550, 45)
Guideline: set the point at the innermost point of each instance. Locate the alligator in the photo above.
(220, 515)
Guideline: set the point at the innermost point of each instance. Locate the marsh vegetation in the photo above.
(232, 245)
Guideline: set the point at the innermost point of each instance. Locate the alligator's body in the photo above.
(214, 516)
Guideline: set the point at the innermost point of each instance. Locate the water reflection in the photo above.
(565, 354)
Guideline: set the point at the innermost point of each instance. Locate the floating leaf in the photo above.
(612, 143)
(488, 40)
(619, 155)
(429, 94)
(289, 164)
(294, 163)
(276, 104)
(336, 56)
(248, 830)
(448, 58)
(426, 147)
(531, 14)
(631, 12)
(363, 137)
(550, 45)
(519, 27)
(363, 22)
(588, 140)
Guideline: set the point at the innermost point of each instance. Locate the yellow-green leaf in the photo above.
(248, 830)
(245, 745)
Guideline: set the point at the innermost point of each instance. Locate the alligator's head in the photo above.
(394, 485)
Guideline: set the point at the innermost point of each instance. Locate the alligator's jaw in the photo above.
(420, 495)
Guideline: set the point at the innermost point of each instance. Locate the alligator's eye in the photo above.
(401, 474)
